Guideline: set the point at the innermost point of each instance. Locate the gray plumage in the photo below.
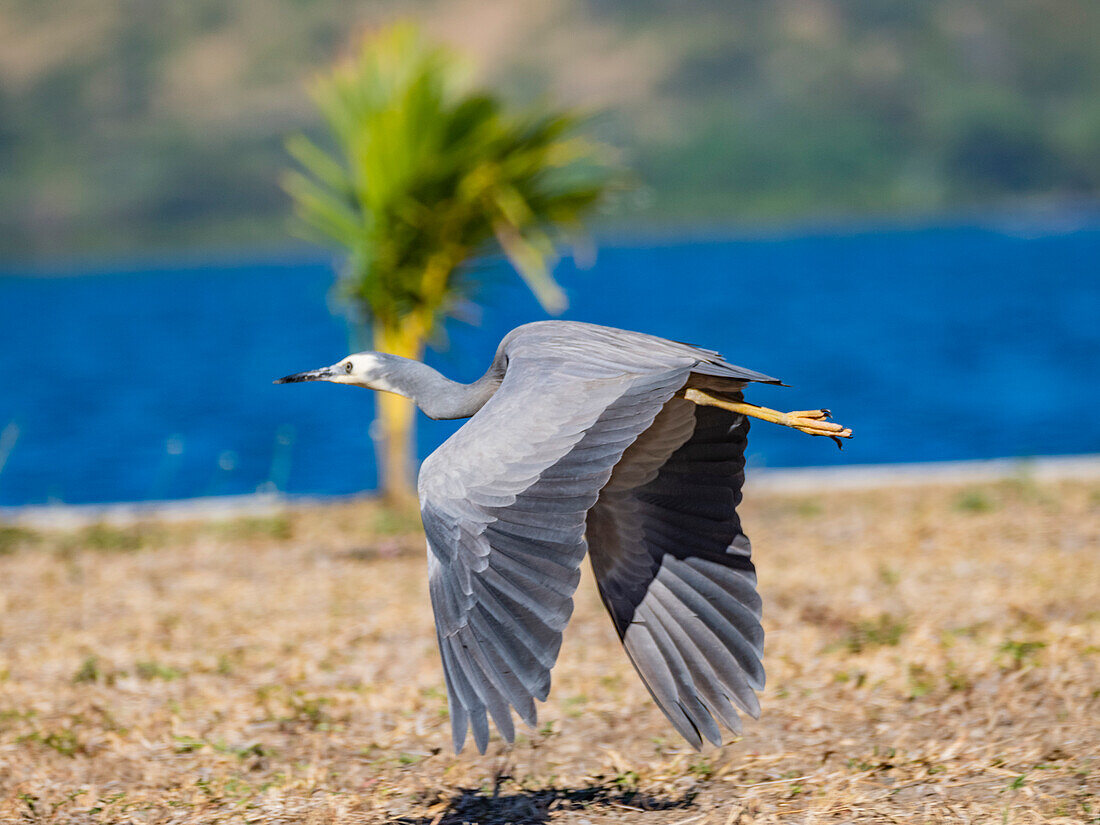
(579, 442)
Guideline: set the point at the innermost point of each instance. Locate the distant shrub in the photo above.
(884, 631)
(973, 501)
(11, 537)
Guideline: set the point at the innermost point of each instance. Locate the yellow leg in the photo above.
(813, 422)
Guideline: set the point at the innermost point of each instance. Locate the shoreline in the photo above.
(785, 481)
(873, 476)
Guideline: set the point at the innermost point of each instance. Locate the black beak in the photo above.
(312, 375)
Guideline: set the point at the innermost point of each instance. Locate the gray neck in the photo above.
(440, 397)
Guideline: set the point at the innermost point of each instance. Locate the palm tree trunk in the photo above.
(396, 418)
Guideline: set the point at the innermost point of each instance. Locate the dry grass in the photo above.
(932, 656)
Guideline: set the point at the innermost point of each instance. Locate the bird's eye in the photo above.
(347, 367)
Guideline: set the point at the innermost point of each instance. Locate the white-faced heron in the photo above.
(584, 437)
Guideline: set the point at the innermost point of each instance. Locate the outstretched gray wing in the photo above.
(673, 568)
(504, 503)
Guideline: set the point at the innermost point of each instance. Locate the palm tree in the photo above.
(424, 174)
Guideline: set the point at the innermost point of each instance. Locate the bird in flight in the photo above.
(584, 438)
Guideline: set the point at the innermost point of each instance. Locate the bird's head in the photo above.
(373, 370)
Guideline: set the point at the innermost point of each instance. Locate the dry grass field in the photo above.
(933, 655)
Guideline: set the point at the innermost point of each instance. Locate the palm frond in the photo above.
(426, 172)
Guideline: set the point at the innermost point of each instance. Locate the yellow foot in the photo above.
(813, 422)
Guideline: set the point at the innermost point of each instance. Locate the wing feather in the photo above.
(504, 502)
(674, 570)
(508, 499)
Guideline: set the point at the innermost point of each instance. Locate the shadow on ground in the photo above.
(535, 807)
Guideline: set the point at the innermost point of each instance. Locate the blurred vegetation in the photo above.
(138, 123)
(371, 527)
(424, 174)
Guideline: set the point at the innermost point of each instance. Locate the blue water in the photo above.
(937, 343)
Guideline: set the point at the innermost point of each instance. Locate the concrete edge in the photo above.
(875, 476)
(800, 481)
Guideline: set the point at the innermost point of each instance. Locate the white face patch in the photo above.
(367, 370)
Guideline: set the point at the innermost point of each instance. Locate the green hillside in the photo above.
(136, 124)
